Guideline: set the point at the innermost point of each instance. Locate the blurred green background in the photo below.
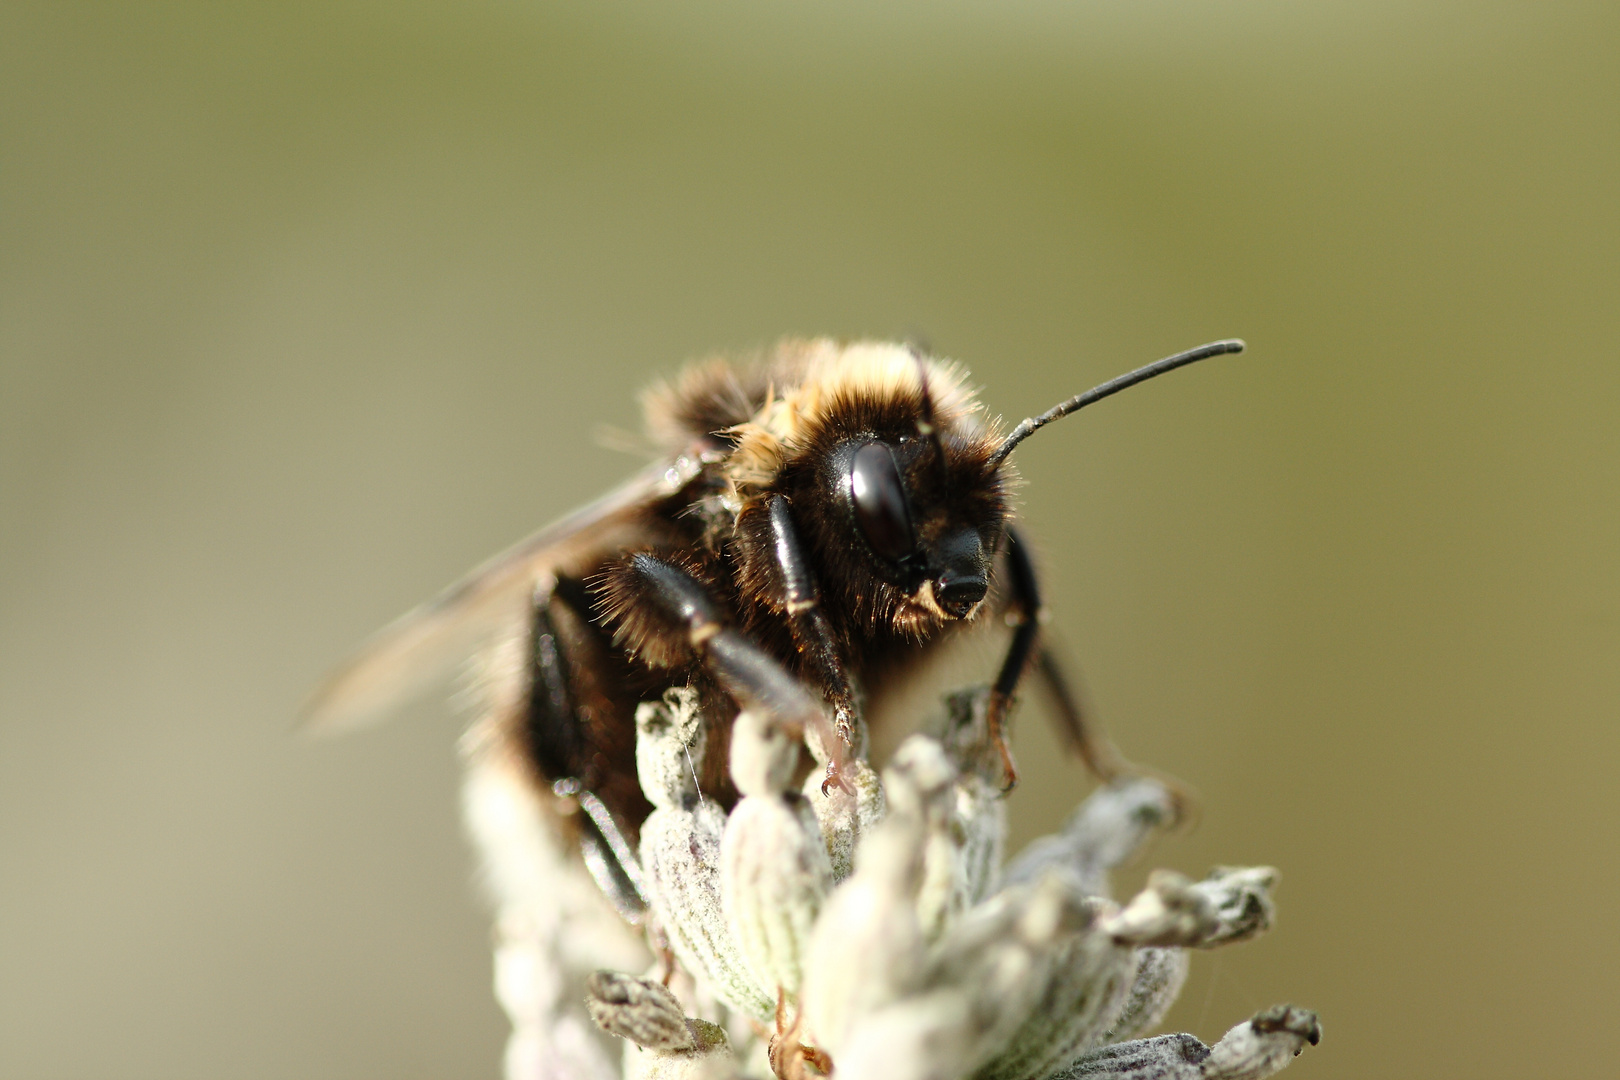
(306, 308)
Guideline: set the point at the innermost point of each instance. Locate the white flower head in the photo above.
(873, 934)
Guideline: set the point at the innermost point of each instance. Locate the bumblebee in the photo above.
(819, 521)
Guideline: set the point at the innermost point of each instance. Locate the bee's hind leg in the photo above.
(556, 739)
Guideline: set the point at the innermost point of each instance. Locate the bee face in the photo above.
(925, 522)
(903, 512)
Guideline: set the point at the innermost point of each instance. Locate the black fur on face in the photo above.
(955, 501)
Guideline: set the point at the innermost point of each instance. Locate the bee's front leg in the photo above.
(777, 571)
(1085, 737)
(1025, 596)
(1092, 745)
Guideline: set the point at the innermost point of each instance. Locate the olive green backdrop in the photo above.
(305, 309)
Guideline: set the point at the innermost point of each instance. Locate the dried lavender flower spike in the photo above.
(1087, 978)
(942, 892)
(1106, 831)
(641, 1010)
(553, 926)
(1002, 953)
(1097, 978)
(774, 878)
(1169, 912)
(962, 854)
(1241, 896)
(845, 817)
(915, 1038)
(1256, 1048)
(670, 739)
(918, 775)
(552, 1036)
(963, 864)
(867, 949)
(680, 859)
(1232, 904)
(763, 755)
(931, 788)
(1160, 975)
(774, 869)
(709, 1058)
(981, 985)
(980, 813)
(1097, 987)
(965, 730)
(1095, 981)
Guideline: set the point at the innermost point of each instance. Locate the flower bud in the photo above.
(775, 872)
(670, 738)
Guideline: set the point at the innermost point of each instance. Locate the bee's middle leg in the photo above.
(665, 615)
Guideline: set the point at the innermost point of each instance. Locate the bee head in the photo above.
(900, 484)
(895, 492)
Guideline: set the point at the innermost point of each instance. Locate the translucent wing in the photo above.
(421, 648)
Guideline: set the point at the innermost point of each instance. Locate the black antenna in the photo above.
(1113, 386)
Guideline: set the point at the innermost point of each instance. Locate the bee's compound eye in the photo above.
(880, 502)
